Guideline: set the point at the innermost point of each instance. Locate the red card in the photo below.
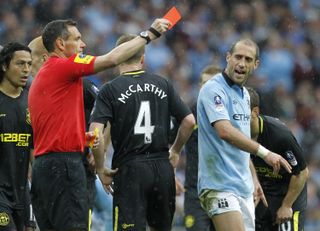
(173, 15)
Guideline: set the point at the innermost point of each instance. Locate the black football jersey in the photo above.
(90, 92)
(15, 141)
(191, 149)
(276, 137)
(138, 106)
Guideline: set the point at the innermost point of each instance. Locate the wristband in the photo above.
(155, 32)
(262, 151)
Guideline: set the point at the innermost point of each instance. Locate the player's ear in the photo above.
(60, 43)
(255, 111)
(4, 68)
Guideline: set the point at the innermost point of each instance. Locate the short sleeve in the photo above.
(178, 109)
(102, 110)
(215, 102)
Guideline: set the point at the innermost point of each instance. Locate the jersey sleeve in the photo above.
(102, 110)
(178, 109)
(293, 153)
(79, 65)
(214, 101)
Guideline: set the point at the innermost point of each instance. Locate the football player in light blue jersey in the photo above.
(225, 184)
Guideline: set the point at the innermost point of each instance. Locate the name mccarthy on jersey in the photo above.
(137, 88)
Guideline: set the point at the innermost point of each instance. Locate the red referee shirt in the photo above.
(56, 104)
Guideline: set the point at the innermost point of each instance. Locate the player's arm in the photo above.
(126, 50)
(235, 137)
(184, 132)
(258, 193)
(296, 185)
(105, 174)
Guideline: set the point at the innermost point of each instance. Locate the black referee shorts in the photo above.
(144, 191)
(59, 192)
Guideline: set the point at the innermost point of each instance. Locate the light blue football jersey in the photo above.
(222, 166)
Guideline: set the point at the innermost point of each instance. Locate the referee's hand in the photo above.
(161, 25)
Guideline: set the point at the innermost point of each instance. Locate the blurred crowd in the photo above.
(287, 31)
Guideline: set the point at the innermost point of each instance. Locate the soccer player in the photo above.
(15, 137)
(225, 184)
(195, 217)
(59, 185)
(138, 106)
(286, 193)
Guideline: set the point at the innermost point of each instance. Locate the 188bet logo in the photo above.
(4, 219)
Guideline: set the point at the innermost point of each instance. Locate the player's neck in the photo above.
(10, 90)
(130, 68)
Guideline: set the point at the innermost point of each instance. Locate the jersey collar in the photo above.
(137, 72)
(232, 84)
(260, 124)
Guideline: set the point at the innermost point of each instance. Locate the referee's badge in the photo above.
(291, 158)
(28, 118)
(83, 58)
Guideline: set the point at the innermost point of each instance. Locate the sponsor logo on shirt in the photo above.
(218, 103)
(291, 158)
(21, 139)
(83, 58)
(241, 117)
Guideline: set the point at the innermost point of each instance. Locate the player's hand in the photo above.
(92, 139)
(106, 177)
(91, 162)
(276, 161)
(258, 195)
(161, 25)
(284, 214)
(174, 158)
(179, 187)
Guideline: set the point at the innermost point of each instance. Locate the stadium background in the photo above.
(288, 33)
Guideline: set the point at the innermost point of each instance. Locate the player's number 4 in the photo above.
(145, 128)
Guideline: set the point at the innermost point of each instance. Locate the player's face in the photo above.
(241, 63)
(19, 69)
(73, 44)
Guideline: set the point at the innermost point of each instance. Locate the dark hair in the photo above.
(254, 98)
(125, 38)
(247, 42)
(7, 52)
(55, 29)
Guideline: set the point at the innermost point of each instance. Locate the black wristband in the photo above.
(155, 32)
